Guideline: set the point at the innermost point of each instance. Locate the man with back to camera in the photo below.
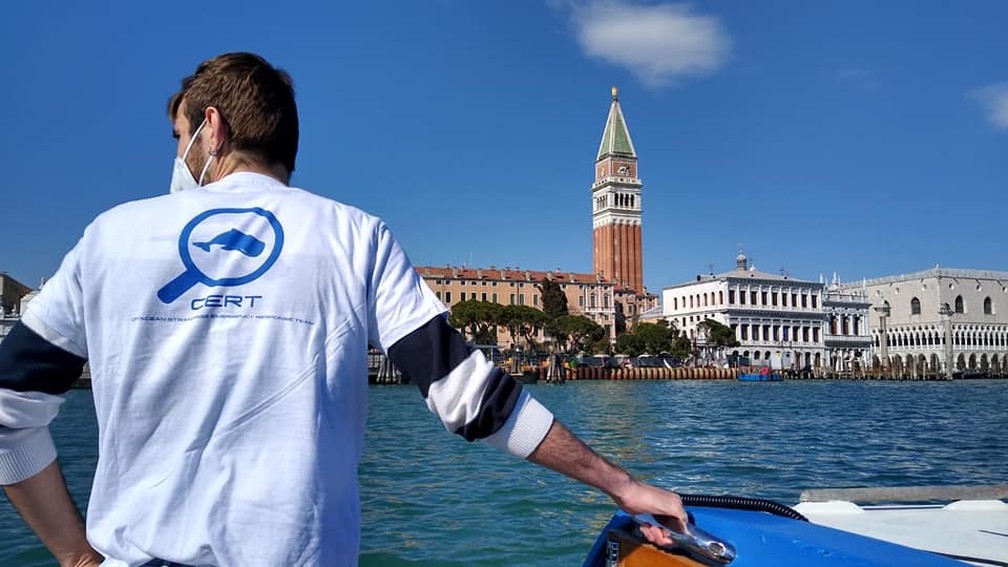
(231, 391)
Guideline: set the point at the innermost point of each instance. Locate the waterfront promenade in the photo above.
(585, 373)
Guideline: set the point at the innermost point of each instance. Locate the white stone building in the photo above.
(778, 320)
(848, 339)
(911, 337)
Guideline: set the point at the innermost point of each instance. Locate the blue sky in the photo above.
(859, 137)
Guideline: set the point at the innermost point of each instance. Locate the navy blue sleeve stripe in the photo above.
(429, 353)
(499, 401)
(29, 363)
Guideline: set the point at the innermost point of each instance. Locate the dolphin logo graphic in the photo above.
(234, 239)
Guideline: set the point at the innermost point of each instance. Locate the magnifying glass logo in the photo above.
(224, 248)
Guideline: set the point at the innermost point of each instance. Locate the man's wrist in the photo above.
(621, 482)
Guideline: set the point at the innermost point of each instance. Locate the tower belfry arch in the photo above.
(616, 205)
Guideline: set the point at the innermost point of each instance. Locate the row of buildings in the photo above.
(933, 322)
(927, 323)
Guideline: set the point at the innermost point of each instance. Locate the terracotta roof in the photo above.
(507, 274)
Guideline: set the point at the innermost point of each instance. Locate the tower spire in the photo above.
(616, 137)
(616, 205)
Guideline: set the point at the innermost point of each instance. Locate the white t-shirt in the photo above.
(227, 329)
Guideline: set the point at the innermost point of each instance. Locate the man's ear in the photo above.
(217, 130)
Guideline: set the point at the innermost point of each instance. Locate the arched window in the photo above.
(959, 304)
(988, 306)
(915, 306)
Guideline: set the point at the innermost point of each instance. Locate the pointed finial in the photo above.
(615, 93)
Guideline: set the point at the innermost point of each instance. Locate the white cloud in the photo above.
(858, 77)
(659, 44)
(994, 98)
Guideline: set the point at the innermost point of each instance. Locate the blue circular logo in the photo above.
(225, 248)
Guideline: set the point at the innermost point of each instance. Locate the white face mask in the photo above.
(182, 178)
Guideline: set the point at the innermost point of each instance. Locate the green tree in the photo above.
(718, 334)
(575, 332)
(630, 344)
(682, 348)
(478, 319)
(600, 346)
(656, 339)
(719, 337)
(554, 300)
(522, 321)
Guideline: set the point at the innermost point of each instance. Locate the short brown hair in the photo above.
(255, 99)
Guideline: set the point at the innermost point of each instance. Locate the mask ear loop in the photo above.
(206, 166)
(193, 139)
(213, 154)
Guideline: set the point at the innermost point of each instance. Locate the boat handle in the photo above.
(695, 542)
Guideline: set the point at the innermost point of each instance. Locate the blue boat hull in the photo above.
(762, 540)
(772, 377)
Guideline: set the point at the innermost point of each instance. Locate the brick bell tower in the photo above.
(616, 205)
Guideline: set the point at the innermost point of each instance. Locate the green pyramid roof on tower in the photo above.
(616, 137)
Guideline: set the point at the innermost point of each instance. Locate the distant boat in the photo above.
(765, 375)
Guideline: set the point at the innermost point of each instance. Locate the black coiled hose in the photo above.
(741, 503)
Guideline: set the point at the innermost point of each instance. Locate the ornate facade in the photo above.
(848, 340)
(778, 320)
(939, 321)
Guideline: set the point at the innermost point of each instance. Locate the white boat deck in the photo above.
(976, 529)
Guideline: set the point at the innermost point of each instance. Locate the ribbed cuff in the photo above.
(525, 429)
(35, 454)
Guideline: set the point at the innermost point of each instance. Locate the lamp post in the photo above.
(946, 316)
(883, 311)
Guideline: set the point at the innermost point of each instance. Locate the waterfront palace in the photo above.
(930, 321)
(926, 324)
(778, 321)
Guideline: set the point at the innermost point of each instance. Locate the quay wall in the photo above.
(392, 376)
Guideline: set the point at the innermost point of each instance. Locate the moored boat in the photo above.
(764, 375)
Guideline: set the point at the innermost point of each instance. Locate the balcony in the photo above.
(852, 341)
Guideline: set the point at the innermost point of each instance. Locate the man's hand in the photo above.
(563, 452)
(640, 498)
(92, 559)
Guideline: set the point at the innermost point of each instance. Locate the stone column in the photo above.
(883, 312)
(946, 316)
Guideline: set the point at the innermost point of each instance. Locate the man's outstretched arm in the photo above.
(477, 400)
(564, 453)
(46, 506)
